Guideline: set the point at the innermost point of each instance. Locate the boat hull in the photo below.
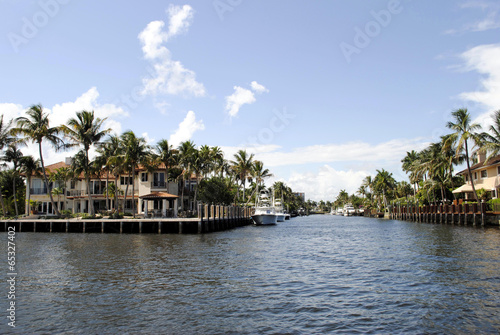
(264, 219)
(280, 217)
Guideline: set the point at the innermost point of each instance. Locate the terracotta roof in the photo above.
(158, 195)
(491, 162)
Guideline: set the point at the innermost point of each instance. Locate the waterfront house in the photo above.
(486, 174)
(152, 193)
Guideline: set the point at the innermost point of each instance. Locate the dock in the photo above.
(461, 214)
(211, 218)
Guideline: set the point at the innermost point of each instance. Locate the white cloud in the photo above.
(326, 182)
(490, 22)
(484, 59)
(168, 76)
(258, 88)
(149, 140)
(240, 97)
(186, 129)
(180, 19)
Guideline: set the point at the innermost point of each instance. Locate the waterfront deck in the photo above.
(210, 219)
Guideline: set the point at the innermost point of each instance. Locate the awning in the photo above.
(487, 184)
(158, 195)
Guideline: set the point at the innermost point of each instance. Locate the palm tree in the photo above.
(29, 167)
(57, 191)
(35, 128)
(409, 167)
(5, 139)
(492, 141)
(135, 152)
(112, 151)
(166, 155)
(14, 155)
(242, 165)
(85, 130)
(384, 182)
(62, 175)
(259, 174)
(186, 154)
(464, 131)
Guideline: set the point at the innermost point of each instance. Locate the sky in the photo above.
(323, 92)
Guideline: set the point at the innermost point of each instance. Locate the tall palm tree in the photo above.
(242, 166)
(135, 152)
(491, 142)
(166, 155)
(112, 151)
(409, 167)
(29, 167)
(36, 128)
(187, 151)
(463, 132)
(62, 175)
(14, 155)
(6, 137)
(384, 182)
(85, 130)
(259, 174)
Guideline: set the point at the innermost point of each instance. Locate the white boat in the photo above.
(340, 211)
(280, 214)
(349, 210)
(265, 213)
(287, 216)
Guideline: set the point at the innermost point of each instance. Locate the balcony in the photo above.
(158, 184)
(38, 191)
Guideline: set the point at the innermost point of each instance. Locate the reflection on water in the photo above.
(317, 274)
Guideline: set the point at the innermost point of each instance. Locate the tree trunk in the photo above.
(133, 192)
(14, 189)
(107, 194)
(28, 194)
(470, 173)
(116, 207)
(126, 191)
(46, 180)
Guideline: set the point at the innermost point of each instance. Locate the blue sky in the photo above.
(323, 92)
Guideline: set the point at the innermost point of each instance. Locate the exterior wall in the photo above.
(493, 178)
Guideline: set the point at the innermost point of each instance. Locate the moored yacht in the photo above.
(265, 213)
(280, 214)
(349, 210)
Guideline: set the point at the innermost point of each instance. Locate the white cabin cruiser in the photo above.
(265, 213)
(349, 210)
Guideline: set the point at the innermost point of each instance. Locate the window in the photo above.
(73, 185)
(484, 174)
(144, 176)
(466, 177)
(475, 175)
(159, 179)
(498, 170)
(126, 180)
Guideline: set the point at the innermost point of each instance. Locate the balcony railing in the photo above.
(81, 193)
(38, 190)
(158, 184)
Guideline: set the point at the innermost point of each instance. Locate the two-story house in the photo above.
(486, 174)
(152, 193)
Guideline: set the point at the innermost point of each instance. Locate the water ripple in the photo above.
(312, 275)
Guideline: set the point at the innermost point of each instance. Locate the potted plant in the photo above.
(34, 206)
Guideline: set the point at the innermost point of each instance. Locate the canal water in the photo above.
(310, 275)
